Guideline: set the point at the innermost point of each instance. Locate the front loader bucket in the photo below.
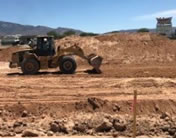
(95, 61)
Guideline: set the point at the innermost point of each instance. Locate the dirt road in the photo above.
(113, 85)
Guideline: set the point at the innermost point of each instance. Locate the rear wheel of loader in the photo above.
(67, 65)
(30, 66)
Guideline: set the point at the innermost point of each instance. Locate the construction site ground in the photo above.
(93, 105)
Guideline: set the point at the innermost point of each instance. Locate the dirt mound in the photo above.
(90, 105)
(127, 48)
(99, 123)
(131, 37)
(5, 53)
(120, 48)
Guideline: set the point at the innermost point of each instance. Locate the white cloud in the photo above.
(168, 13)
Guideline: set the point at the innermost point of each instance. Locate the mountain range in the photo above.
(135, 30)
(8, 28)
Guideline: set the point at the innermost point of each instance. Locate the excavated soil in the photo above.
(51, 104)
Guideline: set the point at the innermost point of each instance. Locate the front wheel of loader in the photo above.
(67, 65)
(30, 66)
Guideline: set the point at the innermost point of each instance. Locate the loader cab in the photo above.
(45, 46)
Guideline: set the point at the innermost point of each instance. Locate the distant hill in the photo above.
(129, 31)
(134, 30)
(7, 28)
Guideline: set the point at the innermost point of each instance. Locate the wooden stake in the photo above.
(134, 113)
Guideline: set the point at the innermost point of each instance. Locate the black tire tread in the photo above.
(32, 60)
(64, 59)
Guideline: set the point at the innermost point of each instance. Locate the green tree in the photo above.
(53, 33)
(69, 33)
(84, 34)
(60, 36)
(143, 30)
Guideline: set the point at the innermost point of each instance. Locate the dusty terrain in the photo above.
(85, 104)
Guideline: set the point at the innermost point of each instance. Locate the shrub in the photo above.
(58, 36)
(53, 33)
(143, 30)
(84, 34)
(69, 33)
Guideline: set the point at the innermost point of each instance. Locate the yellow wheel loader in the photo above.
(43, 55)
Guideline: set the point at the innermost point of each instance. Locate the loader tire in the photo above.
(30, 66)
(67, 65)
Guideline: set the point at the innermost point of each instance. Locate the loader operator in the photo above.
(46, 45)
(47, 48)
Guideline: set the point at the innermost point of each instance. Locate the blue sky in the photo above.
(88, 15)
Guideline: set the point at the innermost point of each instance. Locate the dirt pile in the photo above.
(127, 48)
(92, 117)
(88, 124)
(5, 53)
(120, 48)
